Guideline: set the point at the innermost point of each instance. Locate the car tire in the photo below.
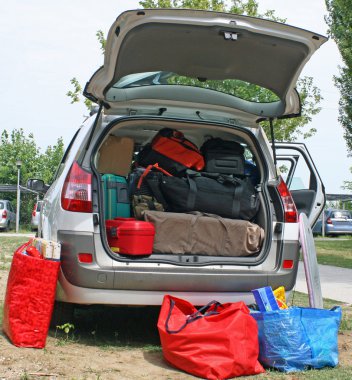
(63, 312)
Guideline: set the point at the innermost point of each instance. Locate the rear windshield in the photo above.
(237, 88)
(39, 206)
(341, 215)
(2, 205)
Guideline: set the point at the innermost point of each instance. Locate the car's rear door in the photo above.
(302, 178)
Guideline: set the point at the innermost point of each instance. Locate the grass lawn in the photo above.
(8, 244)
(334, 251)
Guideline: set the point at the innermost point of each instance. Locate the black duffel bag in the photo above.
(226, 196)
(146, 182)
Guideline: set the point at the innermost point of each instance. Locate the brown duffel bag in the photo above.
(204, 234)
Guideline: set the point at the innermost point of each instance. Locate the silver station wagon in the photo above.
(7, 215)
(188, 71)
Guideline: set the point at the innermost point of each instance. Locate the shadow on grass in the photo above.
(121, 327)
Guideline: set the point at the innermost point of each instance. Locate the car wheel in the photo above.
(63, 312)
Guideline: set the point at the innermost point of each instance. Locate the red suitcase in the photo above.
(129, 236)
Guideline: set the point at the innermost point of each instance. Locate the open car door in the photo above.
(302, 178)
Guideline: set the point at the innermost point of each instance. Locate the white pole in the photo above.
(18, 200)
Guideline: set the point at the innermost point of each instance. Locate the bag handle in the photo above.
(191, 199)
(147, 171)
(202, 312)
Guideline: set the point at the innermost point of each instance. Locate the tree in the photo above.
(285, 130)
(340, 24)
(15, 146)
(76, 93)
(48, 161)
(347, 185)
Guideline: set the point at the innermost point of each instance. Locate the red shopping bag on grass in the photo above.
(218, 341)
(29, 300)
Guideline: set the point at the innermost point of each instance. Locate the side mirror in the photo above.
(37, 185)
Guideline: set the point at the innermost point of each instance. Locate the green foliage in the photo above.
(340, 24)
(76, 92)
(24, 376)
(101, 39)
(15, 145)
(347, 185)
(295, 128)
(68, 330)
(248, 8)
(49, 161)
(238, 88)
(211, 5)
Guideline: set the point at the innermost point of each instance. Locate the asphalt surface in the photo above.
(13, 234)
(336, 283)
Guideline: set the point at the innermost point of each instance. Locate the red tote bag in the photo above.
(29, 300)
(218, 341)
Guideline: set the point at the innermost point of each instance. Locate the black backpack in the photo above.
(224, 157)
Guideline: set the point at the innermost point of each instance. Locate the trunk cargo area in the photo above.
(143, 194)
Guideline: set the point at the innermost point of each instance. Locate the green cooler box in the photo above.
(116, 199)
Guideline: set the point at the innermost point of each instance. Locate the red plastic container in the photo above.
(129, 236)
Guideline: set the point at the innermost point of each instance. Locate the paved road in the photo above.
(336, 283)
(13, 234)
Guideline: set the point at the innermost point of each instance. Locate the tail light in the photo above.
(34, 211)
(76, 193)
(291, 215)
(4, 214)
(328, 221)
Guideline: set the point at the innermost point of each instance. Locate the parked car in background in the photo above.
(336, 222)
(35, 220)
(7, 215)
(137, 101)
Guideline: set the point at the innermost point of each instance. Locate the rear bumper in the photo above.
(139, 283)
(338, 231)
(4, 223)
(66, 292)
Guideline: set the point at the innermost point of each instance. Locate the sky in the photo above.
(44, 44)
